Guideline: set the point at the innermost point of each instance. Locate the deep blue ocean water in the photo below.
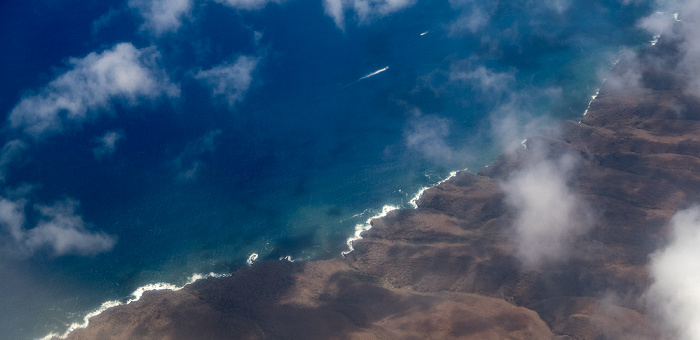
(197, 183)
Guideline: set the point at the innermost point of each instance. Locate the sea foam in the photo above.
(135, 296)
(252, 258)
(413, 202)
(362, 227)
(593, 97)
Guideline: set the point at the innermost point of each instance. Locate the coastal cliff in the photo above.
(458, 266)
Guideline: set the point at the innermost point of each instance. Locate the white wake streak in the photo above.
(374, 73)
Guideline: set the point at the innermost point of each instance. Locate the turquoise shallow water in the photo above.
(197, 182)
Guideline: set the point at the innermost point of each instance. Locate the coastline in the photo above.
(160, 286)
(134, 297)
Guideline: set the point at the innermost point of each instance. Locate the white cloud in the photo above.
(248, 4)
(633, 2)
(105, 21)
(364, 10)
(471, 22)
(474, 16)
(515, 118)
(12, 218)
(10, 152)
(657, 23)
(122, 73)
(627, 75)
(515, 112)
(60, 231)
(335, 10)
(427, 136)
(559, 6)
(162, 16)
(682, 34)
(63, 232)
(188, 163)
(230, 80)
(481, 78)
(675, 292)
(107, 144)
(549, 216)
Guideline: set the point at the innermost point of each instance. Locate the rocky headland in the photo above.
(455, 267)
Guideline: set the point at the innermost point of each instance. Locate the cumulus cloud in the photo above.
(107, 144)
(248, 4)
(60, 230)
(364, 10)
(230, 81)
(675, 292)
(189, 162)
(162, 16)
(122, 73)
(549, 215)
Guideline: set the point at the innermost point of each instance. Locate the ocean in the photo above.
(147, 141)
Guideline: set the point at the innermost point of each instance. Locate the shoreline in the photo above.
(137, 294)
(133, 297)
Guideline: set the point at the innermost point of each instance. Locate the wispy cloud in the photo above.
(364, 10)
(559, 6)
(189, 162)
(59, 231)
(675, 292)
(427, 135)
(549, 215)
(162, 16)
(10, 152)
(516, 119)
(514, 111)
(474, 16)
(12, 218)
(679, 37)
(481, 78)
(107, 144)
(517, 113)
(472, 22)
(105, 20)
(229, 80)
(123, 73)
(248, 4)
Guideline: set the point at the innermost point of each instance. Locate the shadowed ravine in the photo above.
(452, 268)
